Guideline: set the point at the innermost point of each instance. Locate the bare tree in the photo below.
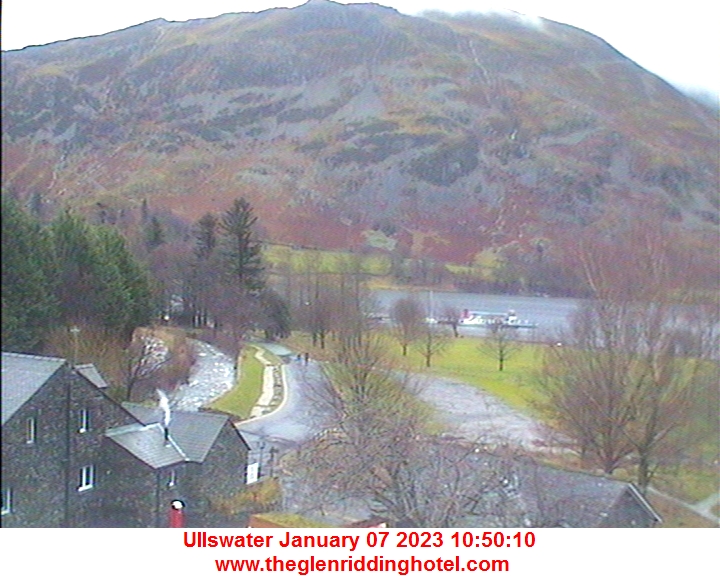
(623, 383)
(377, 450)
(432, 342)
(450, 316)
(145, 358)
(501, 344)
(407, 317)
(588, 383)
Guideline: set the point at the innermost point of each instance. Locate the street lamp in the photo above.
(260, 461)
(271, 464)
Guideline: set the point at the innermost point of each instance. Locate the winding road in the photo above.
(468, 413)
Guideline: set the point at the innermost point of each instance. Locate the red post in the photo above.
(176, 514)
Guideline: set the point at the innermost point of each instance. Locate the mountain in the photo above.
(354, 125)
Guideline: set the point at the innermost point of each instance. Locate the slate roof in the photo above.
(92, 374)
(550, 496)
(498, 491)
(22, 376)
(191, 435)
(147, 443)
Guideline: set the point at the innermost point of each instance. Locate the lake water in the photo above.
(550, 314)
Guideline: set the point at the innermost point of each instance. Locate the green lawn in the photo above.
(516, 385)
(464, 361)
(240, 400)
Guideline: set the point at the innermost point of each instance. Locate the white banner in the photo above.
(302, 552)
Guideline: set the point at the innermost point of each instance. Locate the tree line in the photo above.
(67, 273)
(82, 290)
(632, 383)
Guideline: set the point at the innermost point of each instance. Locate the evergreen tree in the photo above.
(75, 258)
(100, 282)
(29, 307)
(206, 236)
(154, 234)
(276, 321)
(241, 251)
(128, 284)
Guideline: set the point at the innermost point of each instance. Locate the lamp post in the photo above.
(271, 464)
(260, 461)
(75, 330)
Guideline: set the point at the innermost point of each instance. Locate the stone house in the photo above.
(198, 457)
(53, 423)
(72, 456)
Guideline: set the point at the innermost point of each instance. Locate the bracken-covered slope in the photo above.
(438, 136)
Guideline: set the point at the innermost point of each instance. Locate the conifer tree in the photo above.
(100, 283)
(154, 234)
(241, 251)
(205, 236)
(29, 307)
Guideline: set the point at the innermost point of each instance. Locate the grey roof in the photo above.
(147, 443)
(22, 376)
(92, 374)
(549, 496)
(277, 349)
(496, 490)
(192, 433)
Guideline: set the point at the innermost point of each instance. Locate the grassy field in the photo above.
(326, 261)
(463, 360)
(240, 400)
(470, 361)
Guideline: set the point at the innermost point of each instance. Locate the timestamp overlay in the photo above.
(329, 551)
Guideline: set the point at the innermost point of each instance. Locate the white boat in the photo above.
(507, 319)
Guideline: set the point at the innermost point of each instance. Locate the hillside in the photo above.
(356, 126)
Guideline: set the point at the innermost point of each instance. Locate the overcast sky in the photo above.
(678, 40)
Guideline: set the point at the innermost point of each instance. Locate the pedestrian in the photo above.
(298, 358)
(307, 357)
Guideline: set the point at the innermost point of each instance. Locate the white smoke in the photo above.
(165, 407)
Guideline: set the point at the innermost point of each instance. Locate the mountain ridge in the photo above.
(444, 136)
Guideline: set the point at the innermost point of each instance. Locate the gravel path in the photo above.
(479, 416)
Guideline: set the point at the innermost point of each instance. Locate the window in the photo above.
(31, 430)
(172, 479)
(83, 420)
(6, 501)
(87, 478)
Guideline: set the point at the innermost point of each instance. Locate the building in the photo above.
(72, 456)
(197, 457)
(451, 483)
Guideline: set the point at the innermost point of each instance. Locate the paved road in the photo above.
(296, 420)
(467, 411)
